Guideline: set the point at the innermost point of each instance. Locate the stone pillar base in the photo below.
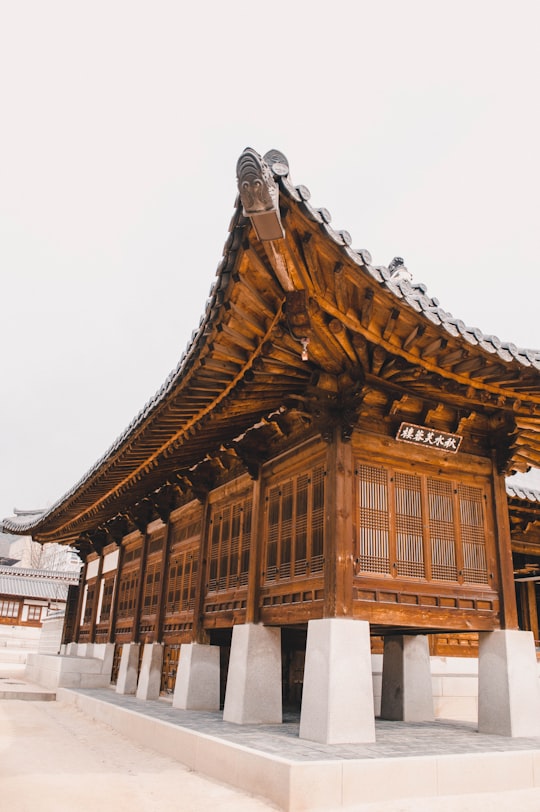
(337, 701)
(149, 683)
(105, 653)
(197, 679)
(407, 692)
(253, 694)
(508, 692)
(127, 673)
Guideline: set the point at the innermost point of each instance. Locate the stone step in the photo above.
(11, 687)
(29, 696)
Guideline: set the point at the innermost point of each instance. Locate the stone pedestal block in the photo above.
(407, 693)
(127, 673)
(337, 700)
(197, 679)
(508, 692)
(253, 694)
(150, 677)
(105, 653)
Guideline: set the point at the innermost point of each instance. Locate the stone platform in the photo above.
(408, 760)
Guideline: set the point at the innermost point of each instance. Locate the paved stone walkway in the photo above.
(394, 739)
(92, 765)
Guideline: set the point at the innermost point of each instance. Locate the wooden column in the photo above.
(533, 610)
(509, 617)
(529, 613)
(338, 558)
(160, 613)
(116, 594)
(82, 584)
(140, 588)
(93, 616)
(199, 633)
(255, 553)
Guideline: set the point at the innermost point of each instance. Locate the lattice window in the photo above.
(442, 530)
(373, 519)
(106, 602)
(89, 606)
(34, 613)
(182, 580)
(152, 581)
(127, 595)
(294, 533)
(408, 518)
(9, 608)
(472, 534)
(230, 540)
(400, 515)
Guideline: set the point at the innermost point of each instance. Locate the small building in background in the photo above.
(34, 583)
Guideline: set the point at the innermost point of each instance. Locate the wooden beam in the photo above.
(410, 339)
(341, 289)
(338, 330)
(266, 270)
(366, 311)
(390, 324)
(312, 262)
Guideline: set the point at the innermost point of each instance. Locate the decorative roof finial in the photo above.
(259, 194)
(398, 270)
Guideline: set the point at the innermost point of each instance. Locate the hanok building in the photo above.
(327, 463)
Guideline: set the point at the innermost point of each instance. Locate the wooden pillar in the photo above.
(529, 613)
(338, 556)
(533, 610)
(255, 553)
(140, 588)
(116, 594)
(82, 585)
(199, 633)
(160, 613)
(93, 616)
(509, 617)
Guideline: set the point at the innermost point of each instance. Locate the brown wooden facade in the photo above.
(332, 444)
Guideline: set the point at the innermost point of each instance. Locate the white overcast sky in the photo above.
(415, 123)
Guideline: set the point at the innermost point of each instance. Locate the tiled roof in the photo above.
(414, 293)
(32, 583)
(520, 492)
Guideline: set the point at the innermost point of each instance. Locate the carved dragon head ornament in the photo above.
(259, 194)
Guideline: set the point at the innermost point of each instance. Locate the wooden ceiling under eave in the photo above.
(296, 310)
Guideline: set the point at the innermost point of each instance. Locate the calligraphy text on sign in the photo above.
(421, 435)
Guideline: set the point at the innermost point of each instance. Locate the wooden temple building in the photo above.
(325, 466)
